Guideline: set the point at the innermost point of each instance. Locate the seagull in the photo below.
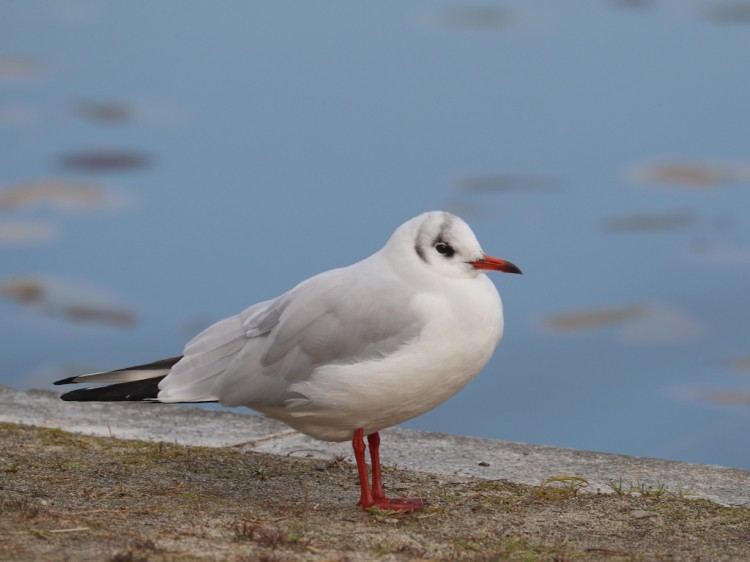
(346, 353)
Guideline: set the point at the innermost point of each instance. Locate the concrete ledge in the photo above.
(437, 453)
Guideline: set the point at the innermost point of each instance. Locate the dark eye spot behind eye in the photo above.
(420, 252)
(445, 249)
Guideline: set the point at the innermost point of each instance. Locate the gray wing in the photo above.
(209, 355)
(334, 318)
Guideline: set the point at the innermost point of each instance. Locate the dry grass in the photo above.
(68, 497)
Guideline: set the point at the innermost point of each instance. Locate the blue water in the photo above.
(604, 147)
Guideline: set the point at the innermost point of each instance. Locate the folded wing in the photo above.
(253, 358)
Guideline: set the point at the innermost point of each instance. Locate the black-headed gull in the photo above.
(348, 352)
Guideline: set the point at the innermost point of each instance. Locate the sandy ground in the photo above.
(70, 497)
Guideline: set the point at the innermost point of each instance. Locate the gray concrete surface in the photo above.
(437, 453)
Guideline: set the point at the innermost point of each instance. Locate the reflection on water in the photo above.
(650, 222)
(506, 182)
(652, 324)
(477, 18)
(726, 397)
(635, 4)
(586, 319)
(690, 174)
(97, 314)
(16, 69)
(727, 12)
(16, 232)
(26, 291)
(105, 160)
(739, 364)
(662, 324)
(709, 253)
(104, 112)
(69, 300)
(59, 195)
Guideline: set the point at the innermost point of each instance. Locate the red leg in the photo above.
(378, 495)
(358, 444)
(373, 442)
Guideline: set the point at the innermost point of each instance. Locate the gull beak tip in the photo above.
(496, 264)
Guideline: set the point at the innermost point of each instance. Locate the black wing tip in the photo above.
(75, 395)
(156, 366)
(132, 391)
(70, 396)
(92, 395)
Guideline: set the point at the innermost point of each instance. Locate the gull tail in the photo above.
(137, 383)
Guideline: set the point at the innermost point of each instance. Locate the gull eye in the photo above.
(444, 249)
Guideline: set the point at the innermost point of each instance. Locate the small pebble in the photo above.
(320, 467)
(483, 463)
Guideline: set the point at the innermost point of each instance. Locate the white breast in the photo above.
(465, 325)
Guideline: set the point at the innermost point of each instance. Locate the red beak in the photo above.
(495, 264)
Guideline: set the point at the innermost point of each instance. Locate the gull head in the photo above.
(444, 244)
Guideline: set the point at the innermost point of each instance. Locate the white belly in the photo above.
(462, 334)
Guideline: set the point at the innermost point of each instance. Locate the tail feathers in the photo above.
(129, 374)
(137, 390)
(137, 383)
